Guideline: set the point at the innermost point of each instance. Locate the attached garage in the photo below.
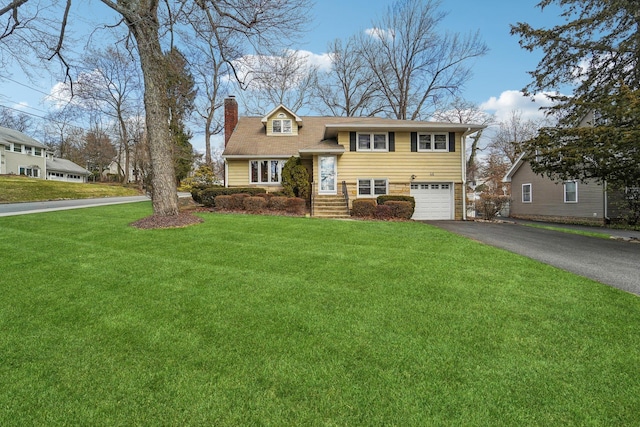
(434, 200)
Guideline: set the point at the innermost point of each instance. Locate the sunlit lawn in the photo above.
(257, 320)
(14, 188)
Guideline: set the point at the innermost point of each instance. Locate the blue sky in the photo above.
(497, 77)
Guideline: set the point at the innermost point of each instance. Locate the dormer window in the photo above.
(281, 126)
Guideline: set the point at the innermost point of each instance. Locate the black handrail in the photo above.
(345, 193)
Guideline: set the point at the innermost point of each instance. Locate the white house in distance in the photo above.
(22, 155)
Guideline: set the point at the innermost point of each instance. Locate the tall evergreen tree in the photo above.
(181, 94)
(597, 51)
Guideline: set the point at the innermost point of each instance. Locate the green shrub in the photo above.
(255, 203)
(363, 207)
(223, 202)
(383, 212)
(207, 196)
(384, 199)
(295, 179)
(400, 209)
(296, 205)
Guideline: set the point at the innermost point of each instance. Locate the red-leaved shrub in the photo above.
(254, 204)
(363, 207)
(223, 202)
(400, 209)
(296, 205)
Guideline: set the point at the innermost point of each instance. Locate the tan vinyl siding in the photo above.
(547, 197)
(399, 166)
(238, 175)
(238, 172)
(282, 114)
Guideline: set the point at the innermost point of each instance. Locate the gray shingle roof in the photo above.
(9, 135)
(66, 166)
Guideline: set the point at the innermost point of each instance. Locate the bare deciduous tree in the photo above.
(462, 111)
(16, 120)
(112, 86)
(350, 88)
(259, 22)
(418, 67)
(512, 133)
(285, 78)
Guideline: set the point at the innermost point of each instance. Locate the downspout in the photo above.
(463, 154)
(226, 174)
(605, 201)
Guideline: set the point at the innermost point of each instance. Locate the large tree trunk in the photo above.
(164, 193)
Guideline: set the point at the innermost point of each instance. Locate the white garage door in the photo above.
(433, 200)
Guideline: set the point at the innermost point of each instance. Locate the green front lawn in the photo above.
(257, 320)
(15, 188)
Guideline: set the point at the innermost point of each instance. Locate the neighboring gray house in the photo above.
(22, 155)
(541, 198)
(65, 170)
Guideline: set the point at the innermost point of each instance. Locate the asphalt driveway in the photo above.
(612, 262)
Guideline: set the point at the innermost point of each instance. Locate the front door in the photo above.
(328, 174)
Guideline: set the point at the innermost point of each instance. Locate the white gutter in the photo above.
(463, 154)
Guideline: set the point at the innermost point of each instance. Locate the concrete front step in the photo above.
(330, 207)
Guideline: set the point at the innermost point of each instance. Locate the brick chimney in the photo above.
(230, 117)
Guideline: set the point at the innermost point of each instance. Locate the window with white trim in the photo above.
(281, 126)
(526, 193)
(17, 148)
(372, 187)
(37, 151)
(265, 171)
(433, 142)
(29, 171)
(373, 142)
(571, 192)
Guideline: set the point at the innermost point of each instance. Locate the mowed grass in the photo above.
(257, 320)
(14, 188)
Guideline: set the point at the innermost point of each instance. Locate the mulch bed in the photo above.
(183, 219)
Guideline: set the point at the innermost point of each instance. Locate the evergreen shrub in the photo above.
(363, 207)
(400, 209)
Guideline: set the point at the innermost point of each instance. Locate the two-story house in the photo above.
(352, 157)
(23, 155)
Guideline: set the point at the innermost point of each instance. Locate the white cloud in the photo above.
(59, 95)
(22, 106)
(322, 61)
(514, 100)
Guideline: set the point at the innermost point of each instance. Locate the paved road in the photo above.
(9, 209)
(612, 262)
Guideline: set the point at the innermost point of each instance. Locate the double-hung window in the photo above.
(526, 193)
(372, 187)
(373, 142)
(266, 171)
(571, 192)
(433, 142)
(281, 126)
(17, 148)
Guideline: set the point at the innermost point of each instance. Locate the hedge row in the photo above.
(260, 203)
(384, 199)
(391, 208)
(207, 195)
